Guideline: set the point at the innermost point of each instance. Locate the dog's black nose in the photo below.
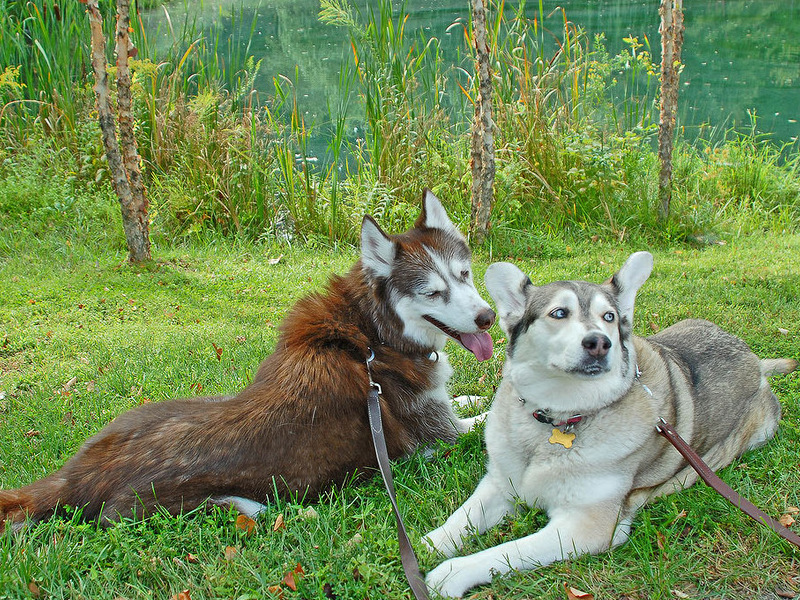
(596, 345)
(485, 319)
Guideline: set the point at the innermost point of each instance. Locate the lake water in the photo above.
(739, 55)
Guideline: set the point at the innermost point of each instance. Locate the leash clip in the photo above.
(372, 384)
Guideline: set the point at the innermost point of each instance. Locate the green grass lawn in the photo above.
(84, 336)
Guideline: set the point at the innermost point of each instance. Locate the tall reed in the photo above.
(49, 45)
(399, 77)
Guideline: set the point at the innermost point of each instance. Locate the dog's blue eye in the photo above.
(433, 295)
(464, 274)
(559, 313)
(609, 316)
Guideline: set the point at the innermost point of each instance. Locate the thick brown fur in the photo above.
(300, 427)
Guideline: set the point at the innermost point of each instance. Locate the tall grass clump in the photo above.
(401, 80)
(740, 184)
(48, 45)
(225, 159)
(560, 166)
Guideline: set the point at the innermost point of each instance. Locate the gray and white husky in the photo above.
(572, 426)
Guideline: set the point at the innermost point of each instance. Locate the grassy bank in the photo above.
(575, 134)
(83, 336)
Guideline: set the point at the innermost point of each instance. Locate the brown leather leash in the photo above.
(711, 478)
(407, 556)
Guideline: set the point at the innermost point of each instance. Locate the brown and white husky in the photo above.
(301, 426)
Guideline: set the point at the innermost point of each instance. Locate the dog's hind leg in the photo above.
(767, 409)
(248, 507)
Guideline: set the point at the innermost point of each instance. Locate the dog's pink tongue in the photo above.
(480, 344)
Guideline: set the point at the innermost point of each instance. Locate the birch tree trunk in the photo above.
(672, 28)
(125, 173)
(483, 165)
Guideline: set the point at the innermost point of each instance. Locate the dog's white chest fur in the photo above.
(544, 472)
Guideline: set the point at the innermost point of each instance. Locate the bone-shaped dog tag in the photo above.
(559, 437)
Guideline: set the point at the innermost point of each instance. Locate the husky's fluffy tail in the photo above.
(36, 501)
(777, 366)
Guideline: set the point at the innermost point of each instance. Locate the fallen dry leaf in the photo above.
(192, 559)
(246, 524)
(786, 520)
(276, 591)
(575, 594)
(274, 261)
(278, 524)
(288, 579)
(218, 350)
(230, 552)
(661, 540)
(34, 590)
(32, 433)
(183, 595)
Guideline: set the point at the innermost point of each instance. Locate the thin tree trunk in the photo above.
(138, 209)
(483, 165)
(134, 222)
(672, 28)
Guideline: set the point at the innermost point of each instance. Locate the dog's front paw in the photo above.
(452, 578)
(440, 540)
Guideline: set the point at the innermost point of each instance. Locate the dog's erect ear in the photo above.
(629, 279)
(433, 214)
(377, 250)
(507, 285)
